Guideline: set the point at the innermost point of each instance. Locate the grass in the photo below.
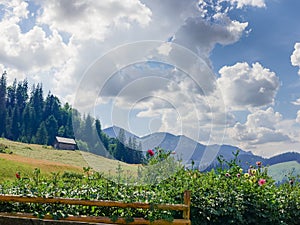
(282, 171)
(26, 157)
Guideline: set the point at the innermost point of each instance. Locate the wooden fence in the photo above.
(185, 208)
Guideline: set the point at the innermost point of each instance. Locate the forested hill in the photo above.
(26, 116)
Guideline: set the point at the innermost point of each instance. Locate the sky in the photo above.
(217, 71)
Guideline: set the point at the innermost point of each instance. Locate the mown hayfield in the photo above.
(25, 158)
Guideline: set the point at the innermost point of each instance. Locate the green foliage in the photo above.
(30, 118)
(224, 196)
(159, 165)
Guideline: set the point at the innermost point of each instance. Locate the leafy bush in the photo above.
(227, 195)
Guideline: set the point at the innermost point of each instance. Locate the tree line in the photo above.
(26, 116)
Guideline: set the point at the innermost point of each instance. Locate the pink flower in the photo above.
(150, 152)
(227, 175)
(258, 163)
(238, 175)
(261, 182)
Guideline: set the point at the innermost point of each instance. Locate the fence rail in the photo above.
(185, 208)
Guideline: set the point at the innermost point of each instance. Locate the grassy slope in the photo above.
(26, 157)
(281, 171)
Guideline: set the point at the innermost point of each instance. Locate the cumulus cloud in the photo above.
(74, 33)
(244, 86)
(259, 128)
(202, 36)
(295, 57)
(86, 20)
(174, 99)
(34, 53)
(66, 37)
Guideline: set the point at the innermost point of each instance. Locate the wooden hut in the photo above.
(64, 143)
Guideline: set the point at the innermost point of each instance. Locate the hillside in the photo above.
(26, 157)
(283, 171)
(205, 157)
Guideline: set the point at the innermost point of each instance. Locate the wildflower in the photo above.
(238, 175)
(253, 179)
(227, 175)
(291, 182)
(18, 175)
(246, 175)
(261, 182)
(253, 171)
(150, 152)
(241, 170)
(258, 163)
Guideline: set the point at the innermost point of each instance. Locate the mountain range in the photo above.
(193, 153)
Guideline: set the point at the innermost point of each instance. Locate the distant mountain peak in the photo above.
(191, 150)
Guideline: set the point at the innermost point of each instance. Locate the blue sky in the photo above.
(218, 71)
(273, 34)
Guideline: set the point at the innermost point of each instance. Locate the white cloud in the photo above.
(12, 74)
(298, 117)
(201, 36)
(30, 52)
(244, 86)
(15, 9)
(297, 102)
(295, 57)
(93, 19)
(254, 3)
(96, 27)
(261, 127)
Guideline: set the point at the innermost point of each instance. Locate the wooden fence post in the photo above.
(187, 201)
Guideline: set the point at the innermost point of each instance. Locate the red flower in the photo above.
(18, 176)
(258, 164)
(150, 152)
(261, 182)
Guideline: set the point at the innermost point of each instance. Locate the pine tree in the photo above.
(98, 128)
(27, 121)
(11, 95)
(2, 104)
(89, 135)
(15, 126)
(21, 96)
(52, 128)
(42, 135)
(61, 131)
(37, 103)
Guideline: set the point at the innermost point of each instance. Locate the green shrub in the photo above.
(222, 196)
